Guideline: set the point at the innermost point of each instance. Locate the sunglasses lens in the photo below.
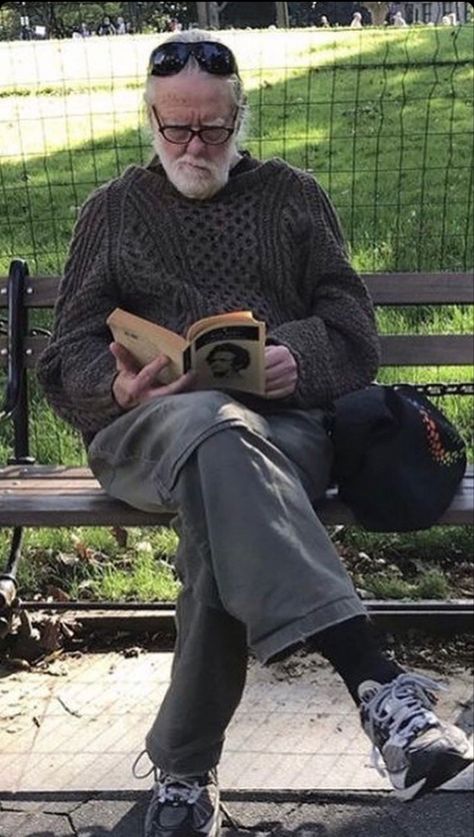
(215, 58)
(168, 59)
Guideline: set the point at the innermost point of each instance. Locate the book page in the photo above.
(145, 340)
(229, 318)
(231, 357)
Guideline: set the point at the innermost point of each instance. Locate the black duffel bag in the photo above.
(398, 459)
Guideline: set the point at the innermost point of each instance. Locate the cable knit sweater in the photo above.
(269, 242)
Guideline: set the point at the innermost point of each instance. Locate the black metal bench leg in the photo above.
(8, 585)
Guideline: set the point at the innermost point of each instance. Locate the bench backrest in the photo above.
(386, 289)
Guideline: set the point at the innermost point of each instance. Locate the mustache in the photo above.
(197, 163)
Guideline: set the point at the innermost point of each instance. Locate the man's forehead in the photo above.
(192, 91)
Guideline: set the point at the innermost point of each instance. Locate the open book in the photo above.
(225, 350)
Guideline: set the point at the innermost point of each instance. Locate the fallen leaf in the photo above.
(51, 634)
(67, 708)
(144, 546)
(131, 652)
(120, 535)
(82, 550)
(57, 594)
(68, 559)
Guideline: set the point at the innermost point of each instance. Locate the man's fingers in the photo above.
(280, 393)
(181, 384)
(124, 359)
(149, 375)
(279, 372)
(273, 356)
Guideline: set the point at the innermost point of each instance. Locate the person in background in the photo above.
(106, 27)
(205, 228)
(399, 20)
(121, 26)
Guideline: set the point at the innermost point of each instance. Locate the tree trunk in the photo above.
(208, 14)
(378, 11)
(282, 15)
(213, 15)
(203, 18)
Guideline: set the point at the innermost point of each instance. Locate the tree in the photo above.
(9, 24)
(379, 12)
(209, 14)
(61, 19)
(282, 15)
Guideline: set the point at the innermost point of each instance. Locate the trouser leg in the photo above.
(208, 678)
(258, 546)
(252, 550)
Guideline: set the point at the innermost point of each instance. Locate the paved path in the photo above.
(324, 815)
(69, 735)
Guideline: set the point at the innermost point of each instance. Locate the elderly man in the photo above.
(206, 228)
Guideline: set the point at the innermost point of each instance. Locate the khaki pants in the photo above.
(257, 567)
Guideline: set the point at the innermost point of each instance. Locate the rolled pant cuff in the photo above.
(185, 761)
(301, 629)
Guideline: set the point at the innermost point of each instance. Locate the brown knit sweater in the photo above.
(269, 242)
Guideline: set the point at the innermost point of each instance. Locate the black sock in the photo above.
(352, 649)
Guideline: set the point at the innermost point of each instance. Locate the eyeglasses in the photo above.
(214, 57)
(182, 134)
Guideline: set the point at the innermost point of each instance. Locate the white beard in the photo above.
(195, 178)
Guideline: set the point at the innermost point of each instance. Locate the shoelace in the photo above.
(179, 790)
(151, 770)
(231, 821)
(403, 705)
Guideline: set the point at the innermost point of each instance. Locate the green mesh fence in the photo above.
(383, 117)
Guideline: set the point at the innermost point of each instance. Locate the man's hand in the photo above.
(133, 386)
(281, 372)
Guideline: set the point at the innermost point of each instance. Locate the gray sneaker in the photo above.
(419, 752)
(184, 807)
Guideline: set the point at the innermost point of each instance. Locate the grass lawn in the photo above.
(384, 118)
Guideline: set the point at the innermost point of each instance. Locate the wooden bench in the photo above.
(38, 495)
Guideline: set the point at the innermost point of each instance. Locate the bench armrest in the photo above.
(16, 328)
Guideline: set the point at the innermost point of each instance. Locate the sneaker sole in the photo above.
(447, 767)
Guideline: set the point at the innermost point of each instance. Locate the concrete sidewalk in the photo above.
(318, 815)
(69, 736)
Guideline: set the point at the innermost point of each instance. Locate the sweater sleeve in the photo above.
(336, 346)
(77, 369)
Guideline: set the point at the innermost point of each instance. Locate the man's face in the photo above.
(196, 169)
(221, 363)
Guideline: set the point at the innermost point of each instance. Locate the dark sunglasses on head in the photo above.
(170, 58)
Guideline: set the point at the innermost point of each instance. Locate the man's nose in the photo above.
(195, 145)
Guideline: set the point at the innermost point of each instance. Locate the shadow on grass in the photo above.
(389, 140)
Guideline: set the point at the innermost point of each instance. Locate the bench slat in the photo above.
(397, 350)
(420, 288)
(385, 288)
(45, 496)
(427, 350)
(17, 475)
